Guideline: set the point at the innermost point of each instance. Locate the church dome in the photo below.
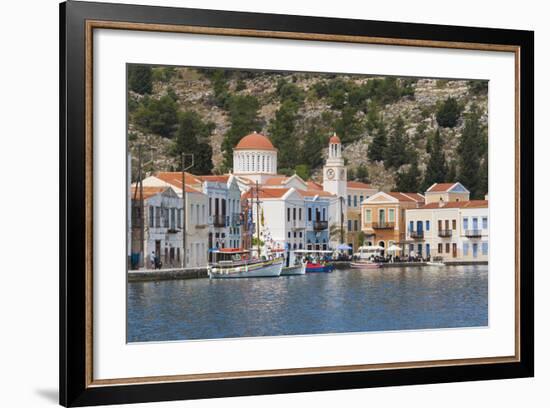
(255, 141)
(334, 139)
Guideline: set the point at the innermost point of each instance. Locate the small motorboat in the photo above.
(316, 260)
(235, 263)
(296, 265)
(437, 261)
(365, 265)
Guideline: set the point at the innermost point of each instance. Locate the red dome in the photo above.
(255, 141)
(334, 139)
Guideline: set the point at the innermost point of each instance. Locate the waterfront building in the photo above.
(335, 182)
(357, 192)
(317, 219)
(255, 158)
(455, 230)
(446, 192)
(162, 222)
(383, 217)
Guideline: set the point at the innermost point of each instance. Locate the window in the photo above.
(439, 225)
(368, 215)
(289, 234)
(300, 214)
(355, 226)
(439, 248)
(465, 249)
(349, 201)
(446, 224)
(454, 224)
(324, 214)
(294, 234)
(474, 223)
(309, 213)
(484, 223)
(447, 248)
(301, 235)
(294, 213)
(210, 206)
(180, 212)
(484, 248)
(360, 199)
(349, 225)
(427, 249)
(411, 225)
(157, 217)
(474, 250)
(465, 223)
(419, 250)
(355, 201)
(391, 215)
(427, 228)
(151, 217)
(288, 214)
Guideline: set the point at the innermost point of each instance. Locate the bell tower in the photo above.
(334, 171)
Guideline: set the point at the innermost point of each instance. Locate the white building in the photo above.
(255, 157)
(335, 182)
(450, 226)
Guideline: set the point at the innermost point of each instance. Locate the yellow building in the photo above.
(383, 217)
(357, 192)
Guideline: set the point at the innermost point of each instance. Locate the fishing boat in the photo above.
(315, 261)
(366, 257)
(436, 261)
(237, 263)
(296, 265)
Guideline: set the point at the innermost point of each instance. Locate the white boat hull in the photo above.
(364, 265)
(257, 270)
(294, 270)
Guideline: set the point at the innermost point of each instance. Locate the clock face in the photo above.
(330, 174)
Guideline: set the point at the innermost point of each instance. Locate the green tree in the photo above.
(362, 174)
(312, 148)
(220, 87)
(303, 171)
(140, 79)
(471, 150)
(243, 115)
(396, 153)
(347, 126)
(282, 131)
(410, 180)
(379, 144)
(478, 87)
(158, 116)
(436, 170)
(192, 137)
(448, 113)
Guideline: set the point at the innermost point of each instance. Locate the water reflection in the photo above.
(337, 302)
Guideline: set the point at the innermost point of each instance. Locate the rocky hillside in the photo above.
(300, 111)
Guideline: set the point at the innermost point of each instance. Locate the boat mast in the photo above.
(258, 217)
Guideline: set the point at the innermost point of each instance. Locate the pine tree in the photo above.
(397, 153)
(362, 174)
(282, 131)
(436, 171)
(140, 79)
(470, 153)
(377, 148)
(312, 147)
(448, 113)
(410, 180)
(192, 137)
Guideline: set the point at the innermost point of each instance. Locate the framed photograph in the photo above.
(256, 204)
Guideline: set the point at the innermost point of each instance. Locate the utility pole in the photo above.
(141, 209)
(341, 220)
(184, 208)
(258, 216)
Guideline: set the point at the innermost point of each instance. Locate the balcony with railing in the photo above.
(219, 221)
(320, 225)
(473, 233)
(417, 234)
(383, 225)
(445, 233)
(296, 225)
(235, 219)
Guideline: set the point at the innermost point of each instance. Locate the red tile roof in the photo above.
(414, 197)
(358, 184)
(334, 139)
(440, 187)
(255, 141)
(276, 180)
(215, 178)
(457, 204)
(312, 185)
(174, 178)
(265, 193)
(147, 191)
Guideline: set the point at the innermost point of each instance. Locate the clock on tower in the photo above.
(334, 172)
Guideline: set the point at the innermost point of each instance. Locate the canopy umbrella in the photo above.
(343, 247)
(394, 248)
